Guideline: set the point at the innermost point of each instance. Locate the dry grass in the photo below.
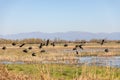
(53, 53)
(55, 71)
(7, 75)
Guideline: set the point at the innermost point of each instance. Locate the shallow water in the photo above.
(99, 61)
(11, 62)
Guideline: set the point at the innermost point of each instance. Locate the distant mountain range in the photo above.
(71, 35)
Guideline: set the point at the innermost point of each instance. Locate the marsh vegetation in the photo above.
(59, 62)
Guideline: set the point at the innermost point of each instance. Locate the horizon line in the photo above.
(58, 32)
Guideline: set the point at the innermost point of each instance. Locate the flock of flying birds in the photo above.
(52, 44)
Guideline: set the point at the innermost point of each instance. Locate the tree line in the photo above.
(59, 41)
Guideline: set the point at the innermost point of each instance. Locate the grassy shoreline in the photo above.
(59, 72)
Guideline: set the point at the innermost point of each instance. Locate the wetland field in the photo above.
(59, 39)
(60, 62)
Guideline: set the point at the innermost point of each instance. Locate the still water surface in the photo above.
(92, 60)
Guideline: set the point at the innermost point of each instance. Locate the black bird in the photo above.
(106, 50)
(74, 48)
(47, 43)
(43, 44)
(80, 46)
(65, 45)
(102, 42)
(33, 54)
(40, 45)
(22, 45)
(42, 51)
(30, 48)
(53, 44)
(76, 52)
(4, 48)
(13, 44)
(84, 42)
(25, 50)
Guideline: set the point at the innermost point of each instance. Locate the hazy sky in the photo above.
(19, 16)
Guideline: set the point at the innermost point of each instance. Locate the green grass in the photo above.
(65, 72)
(55, 71)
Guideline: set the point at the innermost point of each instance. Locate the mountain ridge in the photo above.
(70, 35)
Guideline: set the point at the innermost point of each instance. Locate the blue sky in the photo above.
(19, 16)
